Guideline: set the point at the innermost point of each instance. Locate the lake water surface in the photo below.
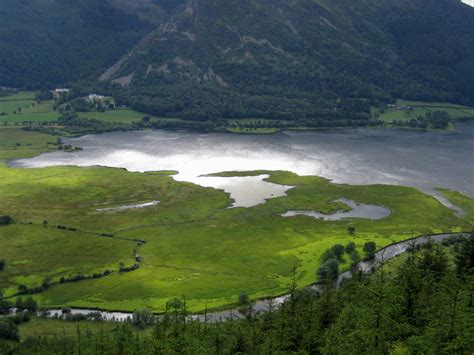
(357, 156)
(358, 210)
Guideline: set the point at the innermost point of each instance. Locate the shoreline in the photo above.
(226, 130)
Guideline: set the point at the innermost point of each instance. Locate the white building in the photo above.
(95, 98)
(60, 92)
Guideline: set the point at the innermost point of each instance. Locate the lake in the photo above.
(424, 160)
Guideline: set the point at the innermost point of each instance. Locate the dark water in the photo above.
(357, 156)
(358, 210)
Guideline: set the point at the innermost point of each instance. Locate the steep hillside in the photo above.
(49, 42)
(288, 60)
(153, 11)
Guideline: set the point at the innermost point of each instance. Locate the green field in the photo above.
(13, 102)
(17, 143)
(39, 112)
(22, 107)
(116, 116)
(195, 246)
(43, 327)
(422, 108)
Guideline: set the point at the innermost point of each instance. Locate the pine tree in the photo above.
(465, 257)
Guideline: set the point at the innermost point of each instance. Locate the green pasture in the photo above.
(26, 118)
(116, 116)
(28, 110)
(59, 328)
(23, 108)
(195, 245)
(18, 143)
(22, 101)
(422, 108)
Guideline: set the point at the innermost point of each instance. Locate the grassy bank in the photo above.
(23, 109)
(419, 108)
(17, 143)
(195, 246)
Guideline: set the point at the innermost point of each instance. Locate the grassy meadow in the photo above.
(195, 245)
(22, 107)
(115, 116)
(422, 108)
(17, 143)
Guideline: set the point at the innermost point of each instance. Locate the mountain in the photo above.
(153, 11)
(300, 60)
(49, 42)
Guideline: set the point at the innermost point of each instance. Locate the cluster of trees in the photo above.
(421, 304)
(68, 316)
(331, 258)
(434, 120)
(6, 220)
(24, 310)
(198, 102)
(123, 268)
(59, 226)
(27, 304)
(48, 282)
(25, 290)
(82, 104)
(51, 43)
(80, 277)
(77, 126)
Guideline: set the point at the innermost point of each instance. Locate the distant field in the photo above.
(117, 116)
(26, 109)
(422, 108)
(17, 143)
(16, 103)
(44, 111)
(30, 117)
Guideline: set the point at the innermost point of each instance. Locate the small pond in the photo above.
(358, 210)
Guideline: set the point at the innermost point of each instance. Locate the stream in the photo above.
(262, 306)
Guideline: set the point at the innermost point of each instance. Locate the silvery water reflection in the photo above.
(358, 210)
(358, 156)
